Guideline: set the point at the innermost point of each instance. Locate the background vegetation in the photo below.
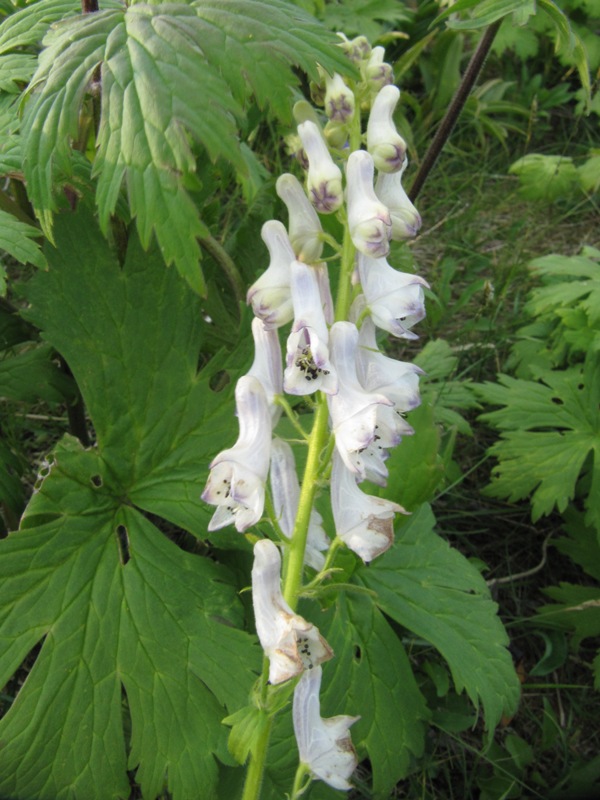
(511, 246)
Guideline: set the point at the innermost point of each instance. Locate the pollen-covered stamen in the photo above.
(306, 364)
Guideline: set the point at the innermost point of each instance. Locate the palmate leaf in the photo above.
(431, 589)
(548, 430)
(135, 633)
(169, 73)
(16, 240)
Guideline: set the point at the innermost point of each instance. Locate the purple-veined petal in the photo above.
(270, 295)
(369, 220)
(384, 142)
(291, 644)
(324, 177)
(324, 745)
(339, 99)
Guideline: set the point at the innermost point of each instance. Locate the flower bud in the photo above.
(357, 49)
(368, 218)
(324, 178)
(377, 73)
(384, 142)
(339, 99)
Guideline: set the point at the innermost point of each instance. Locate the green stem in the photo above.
(295, 559)
(298, 789)
(254, 773)
(344, 290)
(227, 264)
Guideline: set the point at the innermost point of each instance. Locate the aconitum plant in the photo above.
(358, 396)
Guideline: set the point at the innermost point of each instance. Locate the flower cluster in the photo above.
(335, 359)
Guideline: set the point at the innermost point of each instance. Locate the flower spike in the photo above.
(324, 745)
(324, 178)
(368, 218)
(290, 642)
(236, 484)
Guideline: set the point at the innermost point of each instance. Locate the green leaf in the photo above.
(547, 178)
(575, 608)
(15, 239)
(135, 634)
(569, 281)
(371, 676)
(15, 69)
(28, 25)
(431, 589)
(32, 375)
(485, 13)
(548, 429)
(170, 73)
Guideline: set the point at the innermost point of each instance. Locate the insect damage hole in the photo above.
(96, 481)
(123, 544)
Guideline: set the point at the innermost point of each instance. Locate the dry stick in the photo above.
(451, 116)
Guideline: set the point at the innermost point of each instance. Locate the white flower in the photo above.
(267, 364)
(369, 220)
(384, 142)
(304, 226)
(397, 380)
(339, 99)
(290, 642)
(395, 299)
(364, 522)
(406, 220)
(285, 490)
(308, 367)
(324, 178)
(355, 412)
(236, 484)
(270, 295)
(324, 745)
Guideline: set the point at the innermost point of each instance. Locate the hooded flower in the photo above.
(394, 299)
(285, 490)
(324, 178)
(270, 295)
(339, 99)
(236, 484)
(267, 365)
(384, 142)
(308, 367)
(397, 380)
(406, 220)
(369, 220)
(355, 412)
(364, 522)
(324, 745)
(304, 225)
(290, 642)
